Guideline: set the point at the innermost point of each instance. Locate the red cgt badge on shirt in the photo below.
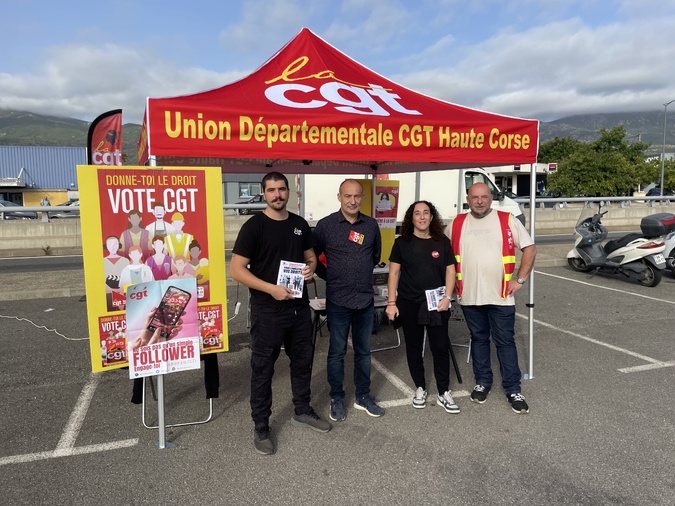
(435, 254)
(356, 237)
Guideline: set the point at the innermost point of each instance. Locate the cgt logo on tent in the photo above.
(368, 99)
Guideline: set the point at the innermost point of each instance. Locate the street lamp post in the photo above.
(663, 154)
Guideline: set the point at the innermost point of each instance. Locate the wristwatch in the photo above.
(520, 281)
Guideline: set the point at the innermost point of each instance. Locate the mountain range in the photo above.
(23, 128)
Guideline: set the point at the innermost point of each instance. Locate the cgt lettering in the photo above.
(344, 97)
(416, 135)
(100, 158)
(123, 200)
(210, 342)
(139, 295)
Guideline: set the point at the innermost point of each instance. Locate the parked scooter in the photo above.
(638, 256)
(662, 225)
(668, 221)
(670, 251)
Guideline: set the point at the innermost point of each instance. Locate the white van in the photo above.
(446, 189)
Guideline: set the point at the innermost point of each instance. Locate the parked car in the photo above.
(75, 213)
(258, 199)
(7, 213)
(512, 195)
(656, 192)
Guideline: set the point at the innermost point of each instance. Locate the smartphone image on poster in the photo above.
(169, 311)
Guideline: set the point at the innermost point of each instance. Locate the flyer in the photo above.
(434, 297)
(162, 327)
(290, 276)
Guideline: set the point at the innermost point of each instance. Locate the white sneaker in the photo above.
(420, 399)
(447, 402)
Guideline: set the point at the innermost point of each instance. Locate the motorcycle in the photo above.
(638, 256)
(669, 240)
(670, 243)
(662, 225)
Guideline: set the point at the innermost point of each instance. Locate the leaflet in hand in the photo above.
(290, 276)
(434, 297)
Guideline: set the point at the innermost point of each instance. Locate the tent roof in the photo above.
(311, 108)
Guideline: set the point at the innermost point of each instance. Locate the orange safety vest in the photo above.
(508, 250)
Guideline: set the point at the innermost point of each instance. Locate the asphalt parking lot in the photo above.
(601, 427)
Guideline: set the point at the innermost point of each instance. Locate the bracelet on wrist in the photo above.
(391, 303)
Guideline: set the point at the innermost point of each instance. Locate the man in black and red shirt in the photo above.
(277, 317)
(352, 245)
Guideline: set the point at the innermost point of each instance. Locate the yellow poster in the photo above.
(142, 224)
(386, 208)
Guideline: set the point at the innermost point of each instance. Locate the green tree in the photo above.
(588, 172)
(613, 141)
(558, 149)
(606, 167)
(653, 173)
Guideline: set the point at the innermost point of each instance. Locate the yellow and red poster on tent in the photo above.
(142, 224)
(386, 208)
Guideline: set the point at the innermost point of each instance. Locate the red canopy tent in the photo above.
(311, 109)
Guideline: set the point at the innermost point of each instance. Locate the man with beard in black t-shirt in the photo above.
(277, 318)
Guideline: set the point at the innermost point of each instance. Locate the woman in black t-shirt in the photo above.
(422, 260)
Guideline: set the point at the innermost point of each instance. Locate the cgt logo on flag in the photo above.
(356, 237)
(105, 139)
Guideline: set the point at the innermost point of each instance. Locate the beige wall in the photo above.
(31, 237)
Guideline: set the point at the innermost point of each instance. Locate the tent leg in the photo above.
(533, 191)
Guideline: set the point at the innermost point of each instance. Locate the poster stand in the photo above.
(159, 397)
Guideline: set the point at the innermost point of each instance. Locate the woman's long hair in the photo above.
(137, 213)
(435, 227)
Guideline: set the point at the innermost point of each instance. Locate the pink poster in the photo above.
(162, 327)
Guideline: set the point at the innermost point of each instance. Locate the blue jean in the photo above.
(499, 323)
(340, 319)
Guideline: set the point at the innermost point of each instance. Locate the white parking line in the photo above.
(66, 445)
(653, 363)
(74, 425)
(605, 287)
(594, 341)
(67, 452)
(402, 386)
(647, 367)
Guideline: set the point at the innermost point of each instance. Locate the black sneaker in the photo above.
(262, 440)
(337, 409)
(518, 404)
(368, 404)
(480, 394)
(312, 421)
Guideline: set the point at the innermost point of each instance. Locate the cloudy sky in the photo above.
(541, 59)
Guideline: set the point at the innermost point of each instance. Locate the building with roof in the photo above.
(29, 173)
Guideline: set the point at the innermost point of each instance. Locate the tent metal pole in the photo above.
(373, 192)
(418, 180)
(160, 386)
(533, 191)
(302, 195)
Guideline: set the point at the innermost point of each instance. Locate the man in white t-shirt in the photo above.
(485, 242)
